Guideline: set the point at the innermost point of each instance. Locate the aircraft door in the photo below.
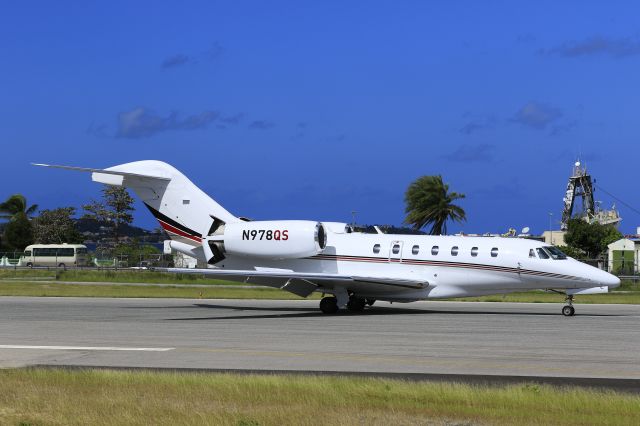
(395, 251)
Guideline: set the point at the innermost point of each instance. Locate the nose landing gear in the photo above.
(568, 309)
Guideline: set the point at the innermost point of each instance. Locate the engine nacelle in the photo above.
(278, 239)
(337, 227)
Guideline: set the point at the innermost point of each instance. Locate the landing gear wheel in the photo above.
(568, 310)
(62, 266)
(329, 305)
(356, 304)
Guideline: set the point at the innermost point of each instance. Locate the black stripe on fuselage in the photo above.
(168, 220)
(479, 266)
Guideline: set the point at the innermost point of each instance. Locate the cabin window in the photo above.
(494, 252)
(376, 248)
(474, 251)
(396, 249)
(532, 253)
(185, 202)
(454, 251)
(435, 250)
(415, 250)
(542, 254)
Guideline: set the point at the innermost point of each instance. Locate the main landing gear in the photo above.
(329, 304)
(568, 309)
(356, 304)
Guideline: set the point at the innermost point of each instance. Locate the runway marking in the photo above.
(85, 348)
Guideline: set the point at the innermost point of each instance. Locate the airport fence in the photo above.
(12, 259)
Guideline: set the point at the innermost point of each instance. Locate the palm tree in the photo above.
(428, 201)
(15, 205)
(17, 232)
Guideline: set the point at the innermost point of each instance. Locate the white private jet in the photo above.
(355, 269)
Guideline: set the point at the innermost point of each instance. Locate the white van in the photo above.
(61, 255)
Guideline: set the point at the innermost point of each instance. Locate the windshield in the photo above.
(542, 254)
(555, 253)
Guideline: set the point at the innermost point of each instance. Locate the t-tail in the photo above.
(184, 211)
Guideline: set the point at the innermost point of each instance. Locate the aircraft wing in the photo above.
(301, 283)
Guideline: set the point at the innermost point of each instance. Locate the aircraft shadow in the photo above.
(373, 311)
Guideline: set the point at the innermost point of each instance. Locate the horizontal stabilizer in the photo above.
(103, 171)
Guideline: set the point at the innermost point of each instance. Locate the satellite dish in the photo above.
(525, 230)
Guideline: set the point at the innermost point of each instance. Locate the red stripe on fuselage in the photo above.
(177, 231)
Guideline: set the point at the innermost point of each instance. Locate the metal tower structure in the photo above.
(579, 186)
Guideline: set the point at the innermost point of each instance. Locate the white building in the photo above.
(555, 238)
(624, 255)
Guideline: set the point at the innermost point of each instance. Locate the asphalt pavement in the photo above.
(421, 339)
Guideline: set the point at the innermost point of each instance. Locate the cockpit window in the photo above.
(532, 253)
(555, 253)
(542, 254)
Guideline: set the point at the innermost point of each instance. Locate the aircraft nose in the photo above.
(608, 279)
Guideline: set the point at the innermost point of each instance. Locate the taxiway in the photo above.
(437, 338)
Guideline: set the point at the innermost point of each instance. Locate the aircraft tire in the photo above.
(568, 311)
(329, 305)
(356, 304)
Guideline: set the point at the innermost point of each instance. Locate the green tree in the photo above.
(56, 226)
(591, 238)
(114, 211)
(14, 205)
(573, 252)
(429, 202)
(17, 232)
(133, 252)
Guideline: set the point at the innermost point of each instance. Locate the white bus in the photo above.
(60, 255)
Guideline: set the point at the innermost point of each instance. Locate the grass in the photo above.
(109, 275)
(100, 397)
(122, 290)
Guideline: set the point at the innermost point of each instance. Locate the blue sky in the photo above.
(309, 110)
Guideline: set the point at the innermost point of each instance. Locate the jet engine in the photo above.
(283, 239)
